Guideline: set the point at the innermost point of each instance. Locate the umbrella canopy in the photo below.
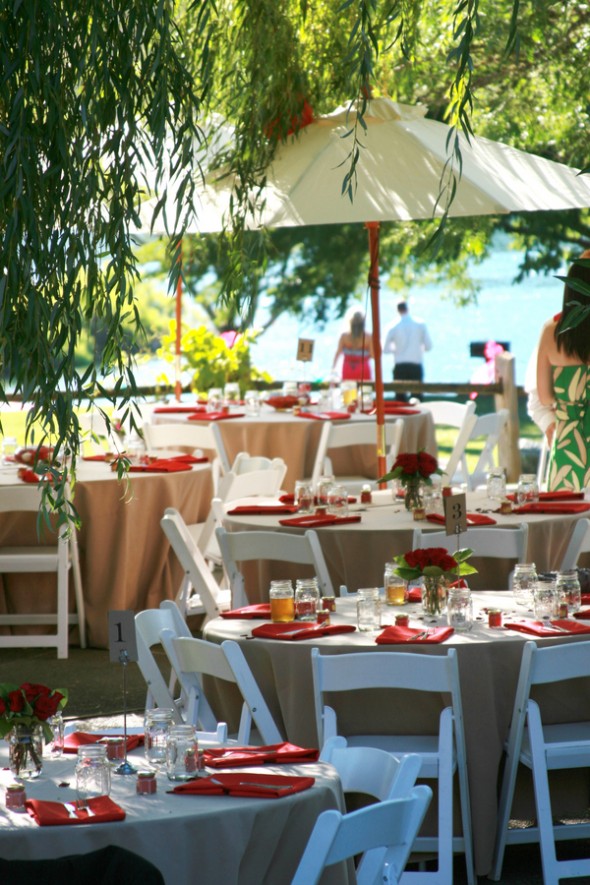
(403, 160)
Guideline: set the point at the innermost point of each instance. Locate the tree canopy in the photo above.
(95, 94)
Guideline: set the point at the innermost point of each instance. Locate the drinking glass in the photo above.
(157, 725)
(366, 397)
(568, 589)
(231, 394)
(368, 609)
(9, 446)
(349, 392)
(460, 609)
(303, 496)
(56, 724)
(433, 499)
(252, 402)
(307, 595)
(523, 583)
(282, 605)
(93, 773)
(337, 500)
(527, 491)
(544, 597)
(496, 484)
(322, 488)
(182, 753)
(214, 399)
(394, 586)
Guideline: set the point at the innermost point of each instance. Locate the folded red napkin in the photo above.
(160, 465)
(189, 459)
(51, 814)
(290, 499)
(536, 628)
(395, 410)
(256, 786)
(414, 595)
(326, 416)
(396, 635)
(559, 495)
(316, 520)
(553, 507)
(473, 519)
(237, 756)
(28, 475)
(180, 410)
(260, 610)
(261, 509)
(215, 416)
(83, 738)
(300, 630)
(583, 613)
(102, 457)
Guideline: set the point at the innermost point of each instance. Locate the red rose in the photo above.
(16, 701)
(407, 462)
(31, 690)
(426, 464)
(3, 708)
(47, 705)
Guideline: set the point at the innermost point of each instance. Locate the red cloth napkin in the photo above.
(395, 410)
(397, 635)
(83, 738)
(553, 507)
(28, 475)
(180, 410)
(315, 520)
(536, 628)
(260, 610)
(215, 416)
(95, 457)
(51, 814)
(261, 509)
(290, 499)
(473, 519)
(414, 595)
(326, 416)
(236, 756)
(300, 630)
(256, 786)
(559, 495)
(160, 465)
(583, 613)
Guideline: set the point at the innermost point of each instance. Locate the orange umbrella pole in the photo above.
(373, 229)
(178, 384)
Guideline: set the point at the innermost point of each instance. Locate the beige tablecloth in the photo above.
(125, 559)
(283, 435)
(209, 840)
(356, 553)
(489, 661)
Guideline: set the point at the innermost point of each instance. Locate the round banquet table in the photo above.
(275, 434)
(489, 662)
(205, 839)
(125, 558)
(356, 553)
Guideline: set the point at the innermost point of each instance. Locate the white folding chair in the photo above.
(246, 463)
(543, 748)
(578, 543)
(491, 427)
(442, 754)
(55, 553)
(199, 593)
(197, 436)
(386, 827)
(247, 546)
(451, 414)
(371, 771)
(344, 434)
(195, 658)
(149, 624)
(487, 542)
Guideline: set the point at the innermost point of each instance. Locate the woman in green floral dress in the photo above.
(563, 381)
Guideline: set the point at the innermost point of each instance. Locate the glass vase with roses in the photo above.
(413, 471)
(438, 568)
(25, 711)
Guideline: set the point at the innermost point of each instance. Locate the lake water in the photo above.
(504, 312)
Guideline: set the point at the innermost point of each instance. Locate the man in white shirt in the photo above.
(408, 340)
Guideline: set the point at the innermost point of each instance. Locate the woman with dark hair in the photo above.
(563, 382)
(356, 349)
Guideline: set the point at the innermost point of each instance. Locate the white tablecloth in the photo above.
(209, 840)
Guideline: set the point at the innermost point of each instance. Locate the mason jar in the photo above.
(93, 773)
(182, 753)
(523, 583)
(368, 609)
(568, 589)
(282, 602)
(157, 724)
(307, 597)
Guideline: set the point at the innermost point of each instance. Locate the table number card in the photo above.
(305, 350)
(455, 514)
(122, 637)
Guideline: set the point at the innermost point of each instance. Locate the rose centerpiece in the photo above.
(25, 711)
(413, 471)
(438, 569)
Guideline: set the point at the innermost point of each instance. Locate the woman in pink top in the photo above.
(356, 349)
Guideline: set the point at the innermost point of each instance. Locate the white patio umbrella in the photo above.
(403, 157)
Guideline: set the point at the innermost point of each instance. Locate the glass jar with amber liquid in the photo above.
(282, 602)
